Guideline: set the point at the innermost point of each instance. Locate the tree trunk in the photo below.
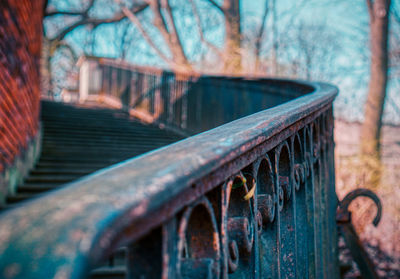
(274, 33)
(170, 34)
(371, 129)
(45, 70)
(233, 61)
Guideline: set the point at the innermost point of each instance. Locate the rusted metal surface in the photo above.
(253, 198)
(349, 234)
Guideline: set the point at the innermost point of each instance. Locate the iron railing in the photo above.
(254, 198)
(189, 103)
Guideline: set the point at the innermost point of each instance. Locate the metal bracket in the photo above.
(343, 220)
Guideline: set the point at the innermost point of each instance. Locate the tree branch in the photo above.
(96, 21)
(132, 17)
(215, 4)
(170, 36)
(45, 4)
(202, 38)
(65, 45)
(159, 21)
(71, 13)
(175, 40)
(124, 41)
(261, 33)
(173, 31)
(370, 9)
(395, 13)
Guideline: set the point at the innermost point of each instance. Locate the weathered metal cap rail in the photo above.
(251, 197)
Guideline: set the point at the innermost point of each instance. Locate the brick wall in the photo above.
(20, 45)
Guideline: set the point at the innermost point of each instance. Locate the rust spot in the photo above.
(12, 270)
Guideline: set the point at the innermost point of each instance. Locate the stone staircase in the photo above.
(80, 140)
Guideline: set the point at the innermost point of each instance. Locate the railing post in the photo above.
(84, 81)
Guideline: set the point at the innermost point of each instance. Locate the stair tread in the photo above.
(51, 171)
(42, 184)
(18, 198)
(77, 141)
(117, 272)
(38, 188)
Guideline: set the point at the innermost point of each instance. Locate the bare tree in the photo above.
(165, 22)
(231, 10)
(371, 129)
(84, 18)
(54, 35)
(260, 35)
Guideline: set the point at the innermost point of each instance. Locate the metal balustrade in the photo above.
(253, 198)
(188, 103)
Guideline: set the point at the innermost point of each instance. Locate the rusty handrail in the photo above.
(247, 181)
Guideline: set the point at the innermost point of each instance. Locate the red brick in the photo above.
(20, 46)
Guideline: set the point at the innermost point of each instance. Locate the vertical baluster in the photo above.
(286, 213)
(121, 85)
(144, 258)
(132, 89)
(127, 90)
(174, 96)
(238, 229)
(199, 98)
(179, 101)
(141, 88)
(324, 188)
(152, 87)
(318, 228)
(332, 195)
(164, 98)
(184, 103)
(324, 182)
(157, 95)
(114, 82)
(169, 99)
(331, 199)
(169, 249)
(118, 83)
(299, 176)
(310, 203)
(104, 73)
(180, 98)
(267, 203)
(199, 251)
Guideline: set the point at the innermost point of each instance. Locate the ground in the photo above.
(382, 241)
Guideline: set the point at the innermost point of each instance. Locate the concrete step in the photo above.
(35, 188)
(62, 171)
(105, 136)
(117, 272)
(104, 160)
(54, 178)
(70, 165)
(18, 198)
(103, 143)
(78, 141)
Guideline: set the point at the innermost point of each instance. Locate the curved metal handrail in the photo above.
(68, 231)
